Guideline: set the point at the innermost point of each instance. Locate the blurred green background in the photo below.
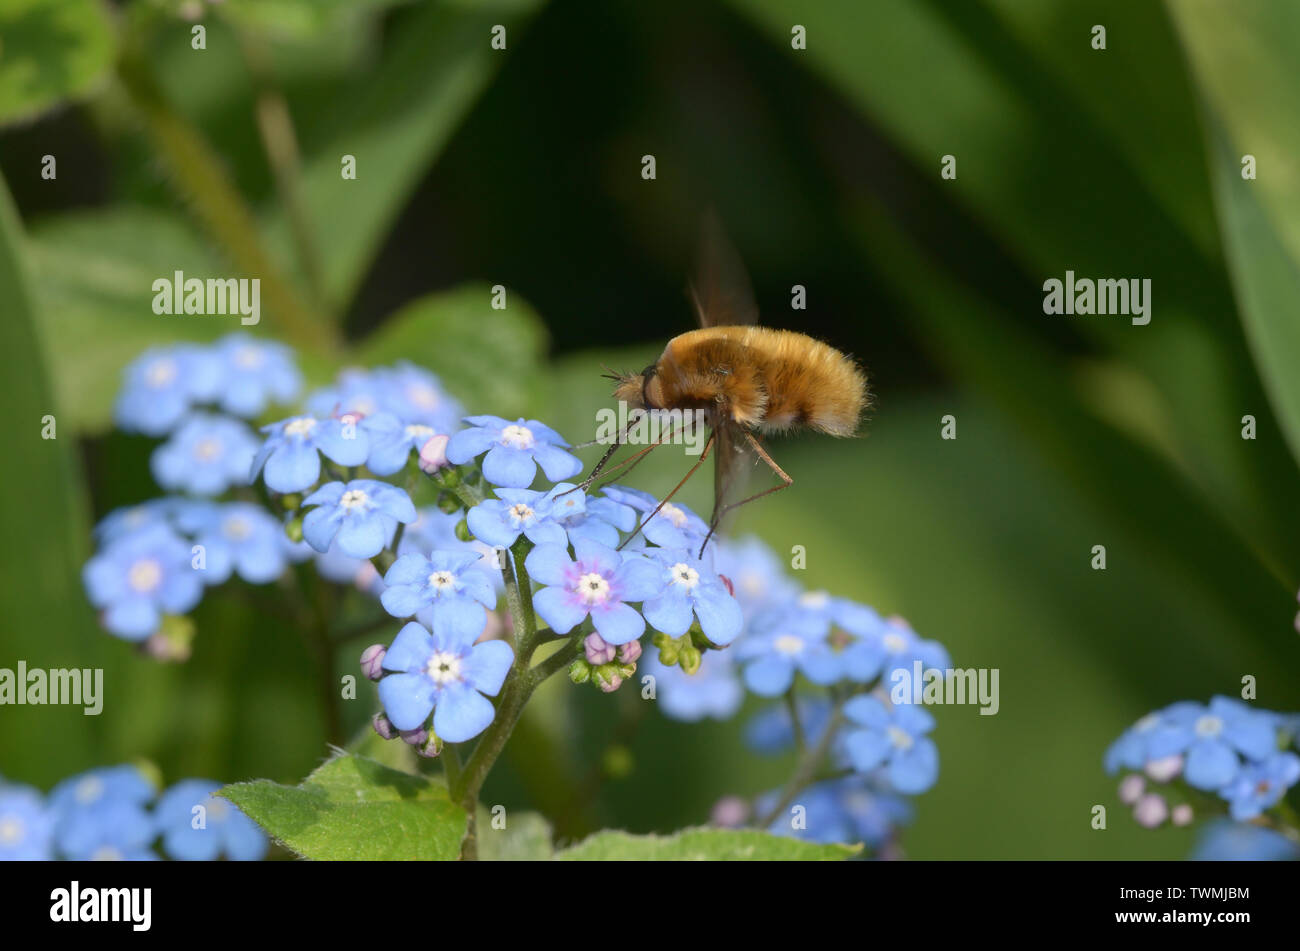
(522, 167)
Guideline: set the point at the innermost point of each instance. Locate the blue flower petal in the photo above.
(462, 713)
(407, 699)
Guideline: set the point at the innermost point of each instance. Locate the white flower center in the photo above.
(751, 583)
(425, 397)
(89, 789)
(11, 830)
(443, 668)
(901, 739)
(216, 809)
(354, 499)
(814, 599)
(420, 432)
(106, 853)
(205, 450)
(894, 643)
(788, 644)
(517, 437)
(1209, 726)
(442, 580)
(684, 575)
(593, 588)
(161, 372)
(520, 513)
(248, 358)
(144, 575)
(237, 528)
(302, 427)
(673, 514)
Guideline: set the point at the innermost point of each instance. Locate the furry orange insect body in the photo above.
(766, 380)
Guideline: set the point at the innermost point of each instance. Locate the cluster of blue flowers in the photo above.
(838, 655)
(338, 485)
(116, 813)
(1187, 757)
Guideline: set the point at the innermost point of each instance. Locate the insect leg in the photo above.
(786, 482)
(630, 460)
(699, 462)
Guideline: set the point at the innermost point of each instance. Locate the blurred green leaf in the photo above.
(94, 278)
(488, 359)
(525, 838)
(1244, 61)
(394, 120)
(693, 845)
(353, 808)
(43, 503)
(50, 50)
(299, 18)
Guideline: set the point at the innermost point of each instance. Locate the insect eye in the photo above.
(650, 371)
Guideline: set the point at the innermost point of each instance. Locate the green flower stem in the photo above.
(281, 145)
(198, 175)
(800, 741)
(806, 772)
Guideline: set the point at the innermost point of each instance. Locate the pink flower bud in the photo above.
(1131, 788)
(1182, 815)
(383, 726)
(1151, 810)
(372, 661)
(630, 652)
(1166, 768)
(598, 652)
(433, 454)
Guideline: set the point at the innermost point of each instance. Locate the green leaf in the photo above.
(525, 838)
(1243, 60)
(50, 50)
(395, 121)
(43, 502)
(94, 279)
(354, 808)
(732, 845)
(488, 359)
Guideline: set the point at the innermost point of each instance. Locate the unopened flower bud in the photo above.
(729, 812)
(448, 504)
(630, 652)
(1131, 788)
(431, 747)
(291, 501)
(598, 652)
(1166, 768)
(174, 639)
(384, 727)
(416, 737)
(372, 661)
(580, 671)
(433, 454)
(449, 478)
(293, 530)
(1182, 815)
(669, 651)
(463, 532)
(689, 659)
(700, 641)
(1151, 810)
(607, 677)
